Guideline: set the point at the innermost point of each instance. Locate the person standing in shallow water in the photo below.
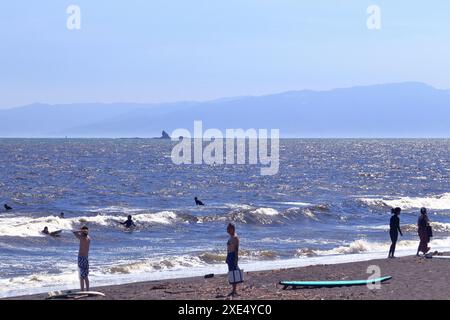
(394, 230)
(128, 223)
(423, 224)
(232, 253)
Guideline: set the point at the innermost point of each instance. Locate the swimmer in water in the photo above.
(53, 234)
(128, 223)
(198, 202)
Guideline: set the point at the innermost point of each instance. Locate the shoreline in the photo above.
(415, 278)
(217, 269)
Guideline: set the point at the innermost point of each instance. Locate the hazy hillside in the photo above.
(391, 110)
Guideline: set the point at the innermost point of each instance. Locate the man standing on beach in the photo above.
(232, 258)
(83, 256)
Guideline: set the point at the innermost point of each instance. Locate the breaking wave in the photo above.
(436, 226)
(438, 202)
(264, 215)
(364, 246)
(186, 261)
(155, 264)
(23, 226)
(31, 225)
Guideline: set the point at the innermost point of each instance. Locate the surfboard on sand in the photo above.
(73, 294)
(329, 284)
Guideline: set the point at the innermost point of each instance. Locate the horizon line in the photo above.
(247, 138)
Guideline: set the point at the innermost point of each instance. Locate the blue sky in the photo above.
(171, 50)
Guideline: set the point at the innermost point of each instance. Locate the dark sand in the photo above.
(413, 278)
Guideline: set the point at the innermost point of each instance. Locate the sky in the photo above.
(174, 50)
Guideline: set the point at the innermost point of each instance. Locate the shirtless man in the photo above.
(83, 256)
(232, 254)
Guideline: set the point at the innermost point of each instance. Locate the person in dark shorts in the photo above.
(394, 230)
(232, 253)
(83, 256)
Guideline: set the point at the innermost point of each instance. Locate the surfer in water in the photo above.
(423, 222)
(83, 256)
(7, 208)
(394, 230)
(128, 223)
(232, 254)
(53, 234)
(198, 202)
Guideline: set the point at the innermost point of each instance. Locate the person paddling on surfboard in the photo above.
(7, 208)
(53, 234)
(232, 253)
(83, 256)
(394, 230)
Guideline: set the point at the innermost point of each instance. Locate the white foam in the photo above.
(438, 202)
(296, 240)
(266, 211)
(308, 213)
(440, 226)
(238, 206)
(116, 209)
(383, 227)
(363, 246)
(20, 226)
(122, 272)
(32, 227)
(294, 203)
(163, 217)
(305, 212)
(437, 226)
(155, 264)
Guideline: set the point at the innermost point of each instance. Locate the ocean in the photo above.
(329, 203)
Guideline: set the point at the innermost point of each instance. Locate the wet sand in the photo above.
(413, 277)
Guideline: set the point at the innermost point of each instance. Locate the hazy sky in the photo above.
(170, 50)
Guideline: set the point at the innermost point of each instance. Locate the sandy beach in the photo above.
(413, 277)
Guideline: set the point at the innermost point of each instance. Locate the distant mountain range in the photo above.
(390, 110)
